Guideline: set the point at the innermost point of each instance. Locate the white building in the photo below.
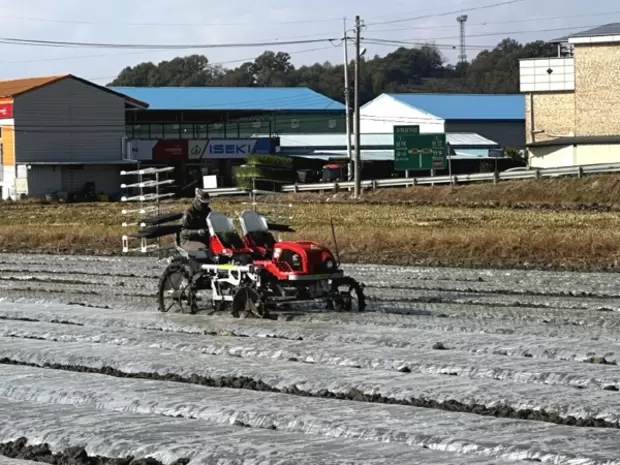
(497, 117)
(59, 133)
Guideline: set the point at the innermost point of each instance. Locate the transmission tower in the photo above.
(462, 53)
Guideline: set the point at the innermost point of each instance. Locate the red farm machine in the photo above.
(250, 274)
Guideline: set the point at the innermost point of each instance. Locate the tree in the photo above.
(421, 69)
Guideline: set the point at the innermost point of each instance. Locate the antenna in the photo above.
(462, 51)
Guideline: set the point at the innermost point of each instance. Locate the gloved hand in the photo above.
(203, 232)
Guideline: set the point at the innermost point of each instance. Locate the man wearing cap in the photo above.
(194, 233)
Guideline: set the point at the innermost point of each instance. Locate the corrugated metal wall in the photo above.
(42, 180)
(72, 178)
(506, 134)
(69, 121)
(107, 179)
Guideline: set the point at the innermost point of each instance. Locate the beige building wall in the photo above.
(597, 89)
(554, 113)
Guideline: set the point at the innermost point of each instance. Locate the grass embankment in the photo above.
(448, 233)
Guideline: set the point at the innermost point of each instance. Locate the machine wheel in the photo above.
(247, 303)
(176, 290)
(348, 296)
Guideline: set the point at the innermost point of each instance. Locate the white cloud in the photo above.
(199, 21)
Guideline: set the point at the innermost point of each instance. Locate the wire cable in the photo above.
(513, 21)
(69, 44)
(486, 34)
(447, 13)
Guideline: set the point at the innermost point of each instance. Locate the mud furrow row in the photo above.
(536, 339)
(535, 282)
(359, 346)
(378, 284)
(437, 430)
(171, 439)
(521, 400)
(380, 313)
(380, 288)
(434, 358)
(21, 452)
(384, 297)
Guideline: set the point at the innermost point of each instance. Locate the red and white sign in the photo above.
(163, 151)
(6, 110)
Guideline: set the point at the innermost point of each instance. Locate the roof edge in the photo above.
(55, 79)
(411, 107)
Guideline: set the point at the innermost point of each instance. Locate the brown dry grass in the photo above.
(397, 234)
(604, 189)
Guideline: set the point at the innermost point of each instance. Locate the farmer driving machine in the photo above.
(250, 276)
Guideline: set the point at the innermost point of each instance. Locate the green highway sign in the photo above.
(415, 151)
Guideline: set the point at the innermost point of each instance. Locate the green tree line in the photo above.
(422, 69)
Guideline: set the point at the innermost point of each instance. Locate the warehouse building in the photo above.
(65, 135)
(210, 130)
(498, 117)
(469, 152)
(572, 100)
(60, 134)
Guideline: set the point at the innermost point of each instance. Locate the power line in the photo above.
(513, 21)
(391, 43)
(486, 34)
(108, 55)
(68, 44)
(218, 24)
(448, 13)
(195, 24)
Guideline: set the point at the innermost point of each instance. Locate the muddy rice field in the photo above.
(446, 366)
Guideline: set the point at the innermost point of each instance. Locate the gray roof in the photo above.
(610, 29)
(371, 141)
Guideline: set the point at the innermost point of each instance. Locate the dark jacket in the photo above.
(194, 223)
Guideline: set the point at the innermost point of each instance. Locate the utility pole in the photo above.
(358, 168)
(347, 100)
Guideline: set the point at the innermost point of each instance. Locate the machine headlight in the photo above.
(329, 264)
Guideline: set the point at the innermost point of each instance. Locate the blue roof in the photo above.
(231, 98)
(467, 106)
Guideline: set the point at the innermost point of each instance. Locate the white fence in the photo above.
(461, 178)
(578, 171)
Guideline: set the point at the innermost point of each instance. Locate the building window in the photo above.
(202, 131)
(217, 131)
(172, 131)
(129, 130)
(187, 131)
(157, 131)
(141, 131)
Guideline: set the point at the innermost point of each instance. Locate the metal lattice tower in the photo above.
(462, 51)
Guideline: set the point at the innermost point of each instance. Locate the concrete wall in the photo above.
(558, 156)
(554, 113)
(597, 89)
(591, 109)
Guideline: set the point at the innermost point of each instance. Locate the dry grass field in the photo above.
(565, 192)
(444, 234)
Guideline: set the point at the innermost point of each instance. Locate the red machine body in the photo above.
(302, 260)
(228, 244)
(286, 260)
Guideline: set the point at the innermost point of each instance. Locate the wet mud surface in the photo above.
(22, 450)
(524, 364)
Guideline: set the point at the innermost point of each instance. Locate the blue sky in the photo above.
(240, 21)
